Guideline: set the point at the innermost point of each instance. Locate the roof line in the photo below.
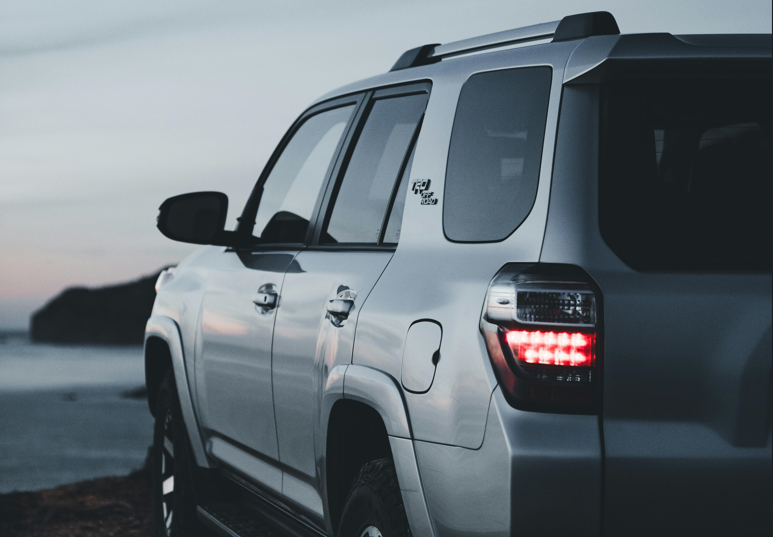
(571, 27)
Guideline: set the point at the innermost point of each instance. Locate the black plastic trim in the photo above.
(214, 524)
(352, 247)
(416, 57)
(272, 511)
(585, 25)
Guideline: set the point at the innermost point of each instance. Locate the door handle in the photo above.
(341, 306)
(264, 300)
(266, 297)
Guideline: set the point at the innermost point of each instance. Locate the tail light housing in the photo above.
(542, 325)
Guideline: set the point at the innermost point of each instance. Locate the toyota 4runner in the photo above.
(518, 285)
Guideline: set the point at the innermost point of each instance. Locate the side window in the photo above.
(292, 187)
(495, 153)
(368, 184)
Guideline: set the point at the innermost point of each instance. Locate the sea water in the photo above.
(67, 414)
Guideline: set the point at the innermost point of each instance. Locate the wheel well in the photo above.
(356, 435)
(158, 360)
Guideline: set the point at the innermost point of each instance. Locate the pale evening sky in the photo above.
(107, 108)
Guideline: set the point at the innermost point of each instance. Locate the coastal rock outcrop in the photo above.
(114, 314)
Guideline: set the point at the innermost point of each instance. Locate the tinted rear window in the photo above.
(685, 174)
(495, 153)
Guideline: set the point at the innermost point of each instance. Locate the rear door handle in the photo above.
(341, 306)
(264, 300)
(266, 297)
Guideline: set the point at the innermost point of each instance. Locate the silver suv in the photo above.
(518, 285)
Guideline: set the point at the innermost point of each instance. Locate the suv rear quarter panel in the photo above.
(486, 468)
(432, 278)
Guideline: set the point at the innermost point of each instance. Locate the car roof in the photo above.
(597, 45)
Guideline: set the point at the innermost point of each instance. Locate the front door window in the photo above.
(291, 189)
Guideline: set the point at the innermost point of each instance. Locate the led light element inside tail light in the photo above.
(552, 348)
(540, 325)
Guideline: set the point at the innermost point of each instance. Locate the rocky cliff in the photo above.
(114, 314)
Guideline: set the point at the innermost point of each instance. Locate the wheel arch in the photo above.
(364, 402)
(356, 435)
(158, 360)
(164, 349)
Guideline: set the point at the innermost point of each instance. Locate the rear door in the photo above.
(329, 282)
(244, 288)
(685, 202)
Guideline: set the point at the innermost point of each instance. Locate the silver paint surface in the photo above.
(468, 490)
(307, 346)
(432, 278)
(382, 392)
(233, 365)
(411, 488)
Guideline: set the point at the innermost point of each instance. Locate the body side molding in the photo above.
(167, 330)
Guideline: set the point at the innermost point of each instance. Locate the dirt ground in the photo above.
(107, 507)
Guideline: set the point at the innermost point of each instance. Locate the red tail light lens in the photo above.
(541, 333)
(552, 348)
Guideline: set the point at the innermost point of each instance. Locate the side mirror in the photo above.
(198, 217)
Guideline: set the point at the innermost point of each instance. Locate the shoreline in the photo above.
(115, 506)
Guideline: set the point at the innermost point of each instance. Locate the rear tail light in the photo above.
(540, 324)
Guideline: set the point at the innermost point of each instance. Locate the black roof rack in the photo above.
(571, 27)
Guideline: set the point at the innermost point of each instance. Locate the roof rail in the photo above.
(570, 27)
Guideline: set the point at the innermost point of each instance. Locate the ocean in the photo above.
(70, 413)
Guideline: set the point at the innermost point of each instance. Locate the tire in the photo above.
(174, 513)
(375, 507)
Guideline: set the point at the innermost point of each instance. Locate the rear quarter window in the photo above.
(685, 174)
(495, 153)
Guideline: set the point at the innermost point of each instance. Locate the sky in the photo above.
(107, 108)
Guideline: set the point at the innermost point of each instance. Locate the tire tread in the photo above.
(379, 477)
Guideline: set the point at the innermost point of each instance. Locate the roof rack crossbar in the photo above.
(569, 28)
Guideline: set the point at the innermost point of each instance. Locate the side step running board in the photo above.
(230, 520)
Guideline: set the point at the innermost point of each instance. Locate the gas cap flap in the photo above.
(421, 355)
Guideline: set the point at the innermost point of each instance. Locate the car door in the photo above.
(243, 290)
(330, 281)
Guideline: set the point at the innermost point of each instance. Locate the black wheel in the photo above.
(174, 506)
(375, 507)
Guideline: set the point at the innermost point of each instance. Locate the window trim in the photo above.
(249, 212)
(336, 178)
